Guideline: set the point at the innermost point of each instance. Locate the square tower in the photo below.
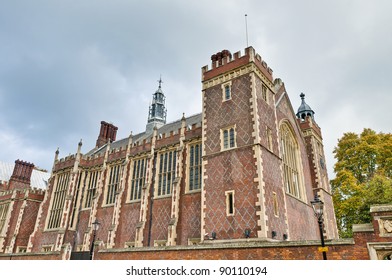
(239, 125)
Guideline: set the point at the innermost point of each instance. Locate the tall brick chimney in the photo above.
(108, 131)
(20, 178)
(221, 58)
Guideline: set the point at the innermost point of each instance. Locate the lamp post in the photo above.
(95, 228)
(318, 208)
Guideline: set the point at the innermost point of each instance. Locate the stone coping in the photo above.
(381, 208)
(2, 255)
(363, 228)
(249, 243)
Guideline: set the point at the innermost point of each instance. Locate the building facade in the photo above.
(22, 189)
(245, 168)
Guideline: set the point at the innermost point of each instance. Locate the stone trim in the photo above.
(377, 250)
(235, 73)
(381, 208)
(238, 243)
(363, 228)
(204, 163)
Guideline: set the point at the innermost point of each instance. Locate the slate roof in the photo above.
(165, 129)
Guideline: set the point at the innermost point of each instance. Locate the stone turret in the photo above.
(157, 110)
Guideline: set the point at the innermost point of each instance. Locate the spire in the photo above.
(304, 110)
(157, 109)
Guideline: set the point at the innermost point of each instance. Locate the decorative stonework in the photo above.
(235, 73)
(380, 251)
(385, 226)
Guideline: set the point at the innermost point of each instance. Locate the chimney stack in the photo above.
(108, 131)
(220, 58)
(21, 175)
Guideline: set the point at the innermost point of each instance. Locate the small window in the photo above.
(228, 140)
(275, 203)
(264, 93)
(230, 203)
(269, 138)
(226, 91)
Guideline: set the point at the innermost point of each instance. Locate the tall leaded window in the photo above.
(114, 180)
(3, 214)
(138, 178)
(75, 206)
(228, 136)
(92, 182)
(195, 167)
(59, 194)
(166, 175)
(290, 155)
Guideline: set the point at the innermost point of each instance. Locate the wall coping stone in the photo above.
(381, 208)
(251, 243)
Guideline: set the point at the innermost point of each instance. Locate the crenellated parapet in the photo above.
(223, 62)
(64, 163)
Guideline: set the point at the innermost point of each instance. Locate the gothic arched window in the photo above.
(291, 162)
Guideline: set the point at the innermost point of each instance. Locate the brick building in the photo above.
(22, 189)
(243, 170)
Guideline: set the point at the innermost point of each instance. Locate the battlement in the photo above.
(66, 162)
(224, 61)
(37, 191)
(68, 158)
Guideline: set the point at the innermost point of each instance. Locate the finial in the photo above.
(57, 151)
(160, 81)
(183, 117)
(302, 95)
(80, 142)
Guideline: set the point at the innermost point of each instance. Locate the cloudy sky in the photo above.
(66, 65)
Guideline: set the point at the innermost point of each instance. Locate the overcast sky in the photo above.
(67, 65)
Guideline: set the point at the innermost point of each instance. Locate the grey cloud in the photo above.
(67, 65)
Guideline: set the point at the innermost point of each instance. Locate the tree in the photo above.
(363, 177)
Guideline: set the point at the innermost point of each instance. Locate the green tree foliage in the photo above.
(363, 177)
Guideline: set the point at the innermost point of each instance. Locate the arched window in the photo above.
(291, 162)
